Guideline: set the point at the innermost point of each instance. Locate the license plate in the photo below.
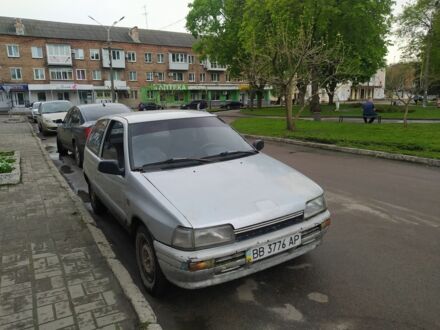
(270, 248)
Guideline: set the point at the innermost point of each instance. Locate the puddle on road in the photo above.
(84, 196)
(51, 149)
(66, 169)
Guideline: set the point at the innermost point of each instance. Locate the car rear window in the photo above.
(92, 114)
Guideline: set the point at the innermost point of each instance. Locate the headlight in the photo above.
(47, 120)
(315, 206)
(186, 238)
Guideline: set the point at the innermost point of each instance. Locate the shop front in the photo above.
(75, 93)
(14, 95)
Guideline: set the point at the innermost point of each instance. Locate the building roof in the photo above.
(59, 30)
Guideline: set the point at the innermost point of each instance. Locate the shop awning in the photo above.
(60, 87)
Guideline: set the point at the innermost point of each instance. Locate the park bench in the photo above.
(378, 117)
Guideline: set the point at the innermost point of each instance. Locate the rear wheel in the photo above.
(151, 274)
(42, 131)
(97, 205)
(61, 150)
(77, 155)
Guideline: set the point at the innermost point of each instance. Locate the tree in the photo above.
(416, 25)
(402, 81)
(217, 27)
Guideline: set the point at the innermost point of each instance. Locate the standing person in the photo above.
(369, 112)
(337, 102)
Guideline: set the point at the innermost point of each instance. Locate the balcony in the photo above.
(59, 54)
(181, 65)
(119, 84)
(213, 66)
(118, 59)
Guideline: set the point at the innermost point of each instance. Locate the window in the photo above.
(132, 76)
(131, 56)
(80, 74)
(94, 54)
(63, 96)
(96, 74)
(148, 57)
(228, 77)
(15, 73)
(113, 146)
(191, 76)
(160, 58)
(133, 94)
(179, 57)
(78, 54)
(215, 77)
(215, 95)
(191, 59)
(61, 74)
(160, 76)
(177, 76)
(37, 52)
(116, 75)
(202, 77)
(41, 96)
(94, 141)
(13, 50)
(116, 55)
(149, 76)
(39, 74)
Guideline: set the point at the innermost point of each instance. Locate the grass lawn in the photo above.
(418, 112)
(421, 140)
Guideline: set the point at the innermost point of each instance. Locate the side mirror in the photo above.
(258, 144)
(110, 167)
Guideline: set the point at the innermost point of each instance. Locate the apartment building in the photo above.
(43, 60)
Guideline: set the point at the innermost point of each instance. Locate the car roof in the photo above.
(56, 101)
(155, 115)
(92, 112)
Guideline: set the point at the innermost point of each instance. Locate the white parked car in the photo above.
(51, 114)
(205, 206)
(34, 111)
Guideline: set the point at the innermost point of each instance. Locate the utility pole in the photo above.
(146, 16)
(110, 57)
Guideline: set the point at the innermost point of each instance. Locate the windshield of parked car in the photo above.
(201, 138)
(53, 107)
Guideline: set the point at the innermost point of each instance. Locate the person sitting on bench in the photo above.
(369, 112)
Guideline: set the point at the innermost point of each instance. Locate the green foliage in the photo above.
(6, 161)
(421, 140)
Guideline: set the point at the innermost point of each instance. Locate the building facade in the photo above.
(42, 61)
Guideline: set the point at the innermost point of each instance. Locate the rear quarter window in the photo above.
(95, 139)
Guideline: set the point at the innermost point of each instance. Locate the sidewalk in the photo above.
(52, 274)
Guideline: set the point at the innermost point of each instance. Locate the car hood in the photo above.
(241, 192)
(55, 115)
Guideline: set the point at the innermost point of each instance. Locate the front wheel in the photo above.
(151, 274)
(61, 150)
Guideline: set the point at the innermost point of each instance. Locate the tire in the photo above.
(61, 150)
(97, 205)
(77, 155)
(149, 268)
(42, 131)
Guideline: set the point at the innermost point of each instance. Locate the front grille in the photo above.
(268, 226)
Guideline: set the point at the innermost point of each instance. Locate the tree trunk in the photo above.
(331, 88)
(289, 122)
(314, 104)
(405, 115)
(259, 98)
(302, 90)
(252, 95)
(426, 71)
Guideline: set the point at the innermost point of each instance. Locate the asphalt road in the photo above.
(378, 268)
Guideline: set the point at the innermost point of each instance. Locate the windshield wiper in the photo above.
(174, 161)
(238, 153)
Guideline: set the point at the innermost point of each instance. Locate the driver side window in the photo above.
(113, 148)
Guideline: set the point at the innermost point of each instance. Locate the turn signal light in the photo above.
(200, 265)
(87, 131)
(326, 223)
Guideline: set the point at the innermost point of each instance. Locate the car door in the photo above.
(63, 128)
(114, 186)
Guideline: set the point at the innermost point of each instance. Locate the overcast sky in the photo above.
(161, 14)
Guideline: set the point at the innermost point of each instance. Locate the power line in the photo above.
(166, 26)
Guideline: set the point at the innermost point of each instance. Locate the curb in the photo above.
(332, 147)
(147, 317)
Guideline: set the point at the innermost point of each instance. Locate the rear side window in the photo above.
(95, 139)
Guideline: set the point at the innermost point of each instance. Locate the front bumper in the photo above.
(50, 127)
(230, 261)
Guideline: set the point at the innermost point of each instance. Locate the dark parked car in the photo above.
(195, 105)
(232, 105)
(149, 106)
(78, 123)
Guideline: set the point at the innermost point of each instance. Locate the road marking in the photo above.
(318, 297)
(288, 313)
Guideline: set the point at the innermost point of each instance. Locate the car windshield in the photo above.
(169, 142)
(55, 107)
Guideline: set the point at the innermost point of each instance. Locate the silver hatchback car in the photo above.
(205, 206)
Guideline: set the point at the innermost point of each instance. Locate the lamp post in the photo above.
(109, 47)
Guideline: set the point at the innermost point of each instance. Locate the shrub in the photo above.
(6, 161)
(385, 108)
